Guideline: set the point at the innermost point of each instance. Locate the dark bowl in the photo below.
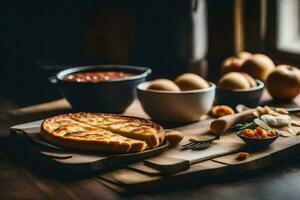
(249, 97)
(112, 96)
(255, 142)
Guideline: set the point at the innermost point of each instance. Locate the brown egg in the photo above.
(244, 55)
(190, 81)
(251, 80)
(234, 63)
(163, 84)
(231, 64)
(284, 82)
(258, 66)
(234, 80)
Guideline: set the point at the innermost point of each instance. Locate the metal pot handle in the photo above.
(52, 79)
(148, 71)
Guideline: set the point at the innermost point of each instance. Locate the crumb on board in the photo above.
(242, 156)
(174, 137)
(221, 110)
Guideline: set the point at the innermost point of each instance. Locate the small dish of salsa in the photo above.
(258, 137)
(96, 77)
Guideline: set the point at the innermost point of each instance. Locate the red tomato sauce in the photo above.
(95, 77)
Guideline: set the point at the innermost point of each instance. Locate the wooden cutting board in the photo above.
(131, 179)
(138, 177)
(173, 160)
(64, 160)
(170, 161)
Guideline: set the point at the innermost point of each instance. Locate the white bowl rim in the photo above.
(142, 87)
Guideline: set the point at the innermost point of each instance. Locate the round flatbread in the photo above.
(102, 132)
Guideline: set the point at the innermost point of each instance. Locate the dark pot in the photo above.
(112, 96)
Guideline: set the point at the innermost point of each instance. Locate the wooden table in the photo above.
(281, 181)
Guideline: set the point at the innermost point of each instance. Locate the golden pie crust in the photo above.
(102, 132)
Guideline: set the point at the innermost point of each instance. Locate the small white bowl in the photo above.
(184, 106)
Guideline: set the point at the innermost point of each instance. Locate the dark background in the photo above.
(39, 38)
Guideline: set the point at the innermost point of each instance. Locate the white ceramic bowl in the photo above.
(184, 106)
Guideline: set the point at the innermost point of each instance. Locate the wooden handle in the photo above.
(167, 165)
(224, 123)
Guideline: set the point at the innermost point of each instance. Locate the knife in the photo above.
(241, 107)
(290, 110)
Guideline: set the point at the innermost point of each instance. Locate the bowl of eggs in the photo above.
(243, 77)
(185, 99)
(239, 88)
